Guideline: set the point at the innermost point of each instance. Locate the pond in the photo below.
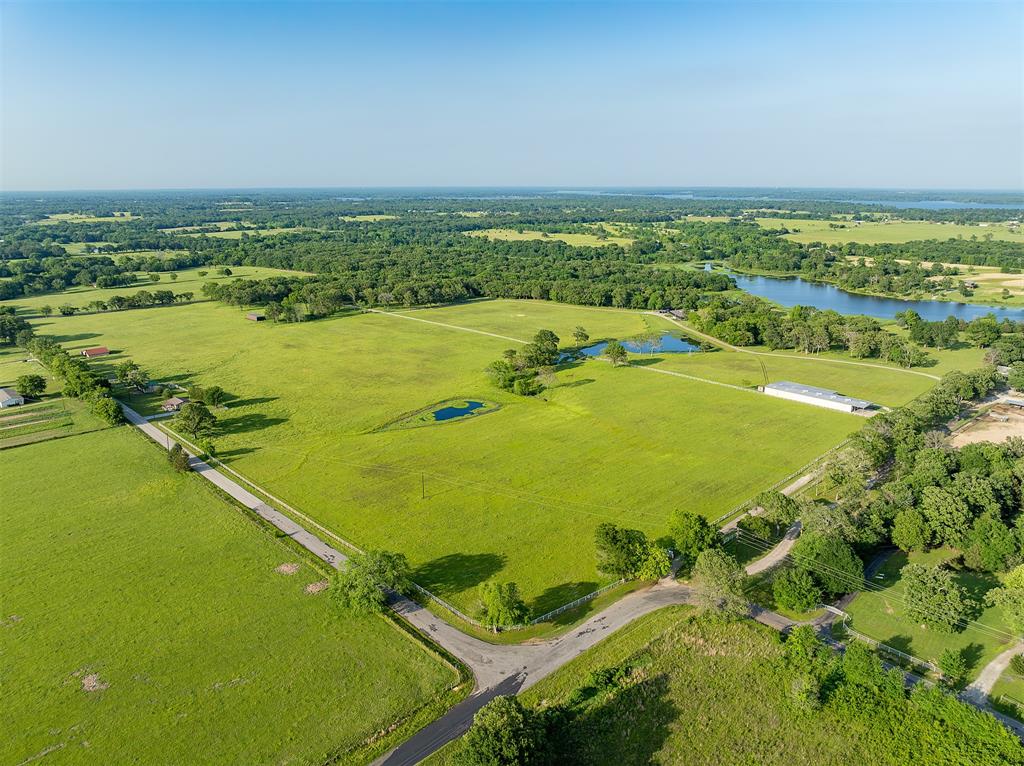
(667, 343)
(451, 412)
(794, 291)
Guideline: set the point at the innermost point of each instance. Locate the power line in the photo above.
(864, 584)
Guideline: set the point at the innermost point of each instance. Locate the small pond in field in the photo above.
(451, 412)
(667, 343)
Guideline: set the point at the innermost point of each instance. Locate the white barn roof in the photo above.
(819, 393)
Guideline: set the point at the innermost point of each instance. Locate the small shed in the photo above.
(91, 353)
(252, 316)
(10, 398)
(173, 404)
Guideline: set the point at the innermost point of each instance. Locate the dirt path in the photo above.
(978, 690)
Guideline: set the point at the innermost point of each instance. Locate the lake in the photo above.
(669, 344)
(794, 291)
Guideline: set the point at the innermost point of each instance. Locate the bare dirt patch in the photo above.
(997, 425)
(315, 587)
(287, 569)
(93, 683)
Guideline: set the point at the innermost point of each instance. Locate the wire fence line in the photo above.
(891, 650)
(577, 602)
(749, 502)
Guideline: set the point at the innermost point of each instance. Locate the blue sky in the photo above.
(244, 94)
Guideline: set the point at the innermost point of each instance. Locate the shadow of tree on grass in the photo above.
(245, 423)
(557, 595)
(626, 726)
(458, 571)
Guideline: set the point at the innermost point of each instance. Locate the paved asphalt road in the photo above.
(502, 669)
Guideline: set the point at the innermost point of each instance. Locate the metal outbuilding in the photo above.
(820, 397)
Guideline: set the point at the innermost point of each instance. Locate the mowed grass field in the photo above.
(578, 240)
(145, 621)
(188, 281)
(896, 231)
(881, 614)
(514, 494)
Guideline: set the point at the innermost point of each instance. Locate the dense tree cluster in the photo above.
(747, 321)
(893, 269)
(78, 380)
(628, 554)
(12, 326)
(521, 370)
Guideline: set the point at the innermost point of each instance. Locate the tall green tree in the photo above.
(911, 531)
(30, 386)
(503, 607)
(719, 583)
(692, 534)
(616, 352)
(1010, 599)
(196, 420)
(361, 585)
(932, 596)
(504, 733)
(831, 561)
(620, 551)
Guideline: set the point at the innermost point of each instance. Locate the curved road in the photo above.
(498, 669)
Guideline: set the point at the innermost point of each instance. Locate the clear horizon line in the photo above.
(558, 188)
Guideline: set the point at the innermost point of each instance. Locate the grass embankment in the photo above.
(146, 620)
(188, 281)
(515, 495)
(881, 615)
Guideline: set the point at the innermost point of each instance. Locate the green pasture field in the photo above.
(703, 692)
(513, 495)
(83, 218)
(884, 385)
(881, 615)
(578, 240)
(896, 231)
(188, 281)
(121, 574)
(79, 248)
(426, 416)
